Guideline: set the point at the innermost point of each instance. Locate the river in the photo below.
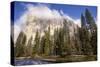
(30, 62)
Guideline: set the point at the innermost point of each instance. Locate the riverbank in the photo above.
(70, 58)
(54, 59)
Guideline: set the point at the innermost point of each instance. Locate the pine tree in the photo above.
(89, 18)
(29, 47)
(57, 42)
(55, 49)
(66, 37)
(85, 40)
(94, 42)
(88, 39)
(47, 42)
(83, 21)
(93, 30)
(42, 49)
(36, 47)
(20, 44)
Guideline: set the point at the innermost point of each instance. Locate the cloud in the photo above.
(40, 11)
(19, 25)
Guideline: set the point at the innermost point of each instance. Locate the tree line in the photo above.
(61, 43)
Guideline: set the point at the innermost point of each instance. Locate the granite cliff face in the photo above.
(41, 24)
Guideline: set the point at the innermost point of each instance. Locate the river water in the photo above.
(30, 62)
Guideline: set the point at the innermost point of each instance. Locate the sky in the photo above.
(22, 10)
(74, 11)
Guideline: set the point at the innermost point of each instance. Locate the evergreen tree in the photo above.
(20, 44)
(93, 42)
(29, 47)
(89, 18)
(88, 33)
(36, 49)
(42, 41)
(66, 37)
(83, 21)
(78, 41)
(92, 27)
(47, 42)
(85, 40)
(57, 42)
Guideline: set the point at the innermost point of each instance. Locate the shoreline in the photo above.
(72, 58)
